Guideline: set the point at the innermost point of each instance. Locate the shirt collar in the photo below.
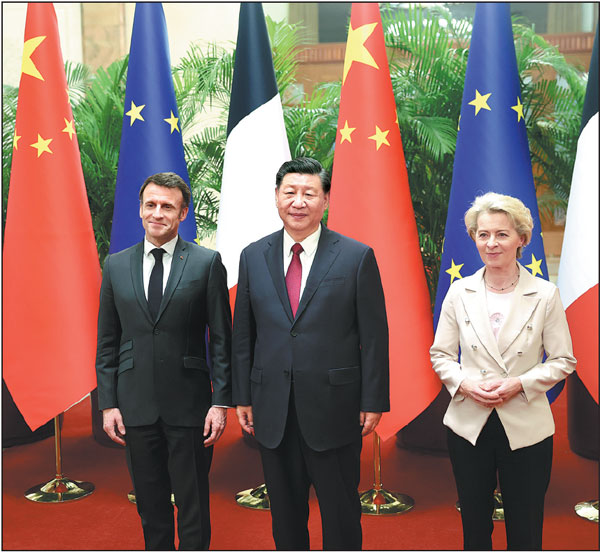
(168, 247)
(309, 244)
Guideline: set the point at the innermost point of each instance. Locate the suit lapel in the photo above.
(274, 258)
(475, 303)
(137, 278)
(180, 256)
(327, 251)
(524, 302)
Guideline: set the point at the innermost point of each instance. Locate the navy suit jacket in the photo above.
(335, 349)
(157, 368)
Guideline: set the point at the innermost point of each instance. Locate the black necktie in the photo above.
(155, 286)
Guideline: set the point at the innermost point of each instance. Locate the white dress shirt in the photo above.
(148, 265)
(148, 261)
(309, 246)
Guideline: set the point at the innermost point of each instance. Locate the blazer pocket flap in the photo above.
(126, 346)
(195, 363)
(125, 365)
(343, 376)
(333, 281)
(256, 375)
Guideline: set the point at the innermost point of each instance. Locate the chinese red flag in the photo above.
(370, 202)
(51, 271)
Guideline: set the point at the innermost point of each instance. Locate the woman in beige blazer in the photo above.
(493, 331)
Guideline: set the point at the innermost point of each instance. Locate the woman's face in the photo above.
(497, 240)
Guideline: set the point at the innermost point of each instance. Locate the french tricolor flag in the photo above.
(578, 270)
(256, 147)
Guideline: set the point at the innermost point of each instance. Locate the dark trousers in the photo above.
(289, 471)
(523, 474)
(165, 459)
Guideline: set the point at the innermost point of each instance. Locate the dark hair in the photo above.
(304, 165)
(169, 180)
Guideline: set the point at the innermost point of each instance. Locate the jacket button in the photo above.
(529, 327)
(519, 353)
(293, 334)
(484, 371)
(474, 347)
(156, 331)
(467, 321)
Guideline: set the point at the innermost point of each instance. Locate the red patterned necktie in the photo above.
(293, 278)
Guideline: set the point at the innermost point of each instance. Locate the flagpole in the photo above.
(59, 489)
(378, 501)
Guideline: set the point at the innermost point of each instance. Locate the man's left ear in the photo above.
(183, 214)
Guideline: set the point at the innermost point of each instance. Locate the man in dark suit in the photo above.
(154, 385)
(310, 360)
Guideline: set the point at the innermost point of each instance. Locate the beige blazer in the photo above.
(536, 323)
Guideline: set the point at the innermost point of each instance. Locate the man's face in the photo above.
(161, 212)
(301, 203)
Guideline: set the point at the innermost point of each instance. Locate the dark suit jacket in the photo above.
(158, 368)
(336, 347)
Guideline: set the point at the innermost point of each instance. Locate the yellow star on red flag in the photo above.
(16, 140)
(69, 128)
(42, 145)
(356, 49)
(346, 133)
(28, 67)
(380, 137)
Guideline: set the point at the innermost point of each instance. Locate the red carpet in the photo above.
(107, 521)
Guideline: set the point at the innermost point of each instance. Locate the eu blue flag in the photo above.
(151, 138)
(492, 151)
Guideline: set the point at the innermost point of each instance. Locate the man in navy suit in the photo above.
(156, 392)
(310, 360)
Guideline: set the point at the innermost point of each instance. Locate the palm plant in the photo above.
(428, 56)
(99, 118)
(203, 80)
(428, 60)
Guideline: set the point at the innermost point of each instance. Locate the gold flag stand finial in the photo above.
(60, 489)
(255, 499)
(379, 501)
(587, 509)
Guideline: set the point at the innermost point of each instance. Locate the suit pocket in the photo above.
(344, 376)
(256, 375)
(195, 363)
(127, 346)
(186, 285)
(333, 281)
(125, 365)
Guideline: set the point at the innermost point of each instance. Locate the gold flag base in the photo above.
(379, 502)
(60, 489)
(255, 499)
(131, 497)
(498, 514)
(588, 510)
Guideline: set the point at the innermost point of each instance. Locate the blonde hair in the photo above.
(516, 211)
